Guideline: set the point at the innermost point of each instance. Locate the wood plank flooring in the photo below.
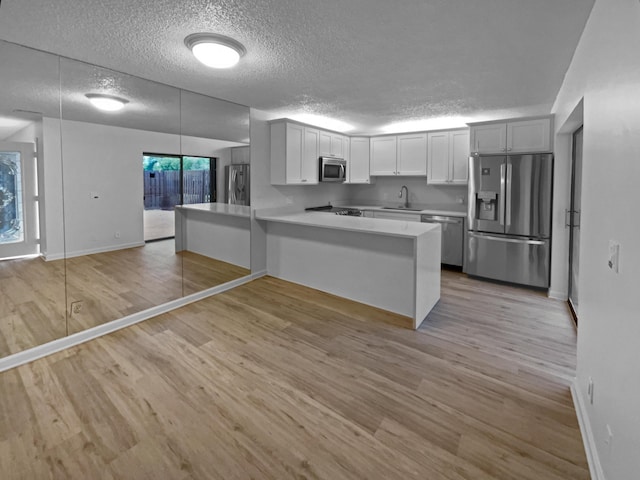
(273, 380)
(110, 285)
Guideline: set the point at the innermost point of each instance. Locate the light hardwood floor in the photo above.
(110, 285)
(272, 381)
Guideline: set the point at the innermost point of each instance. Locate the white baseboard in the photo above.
(79, 253)
(557, 294)
(40, 351)
(595, 468)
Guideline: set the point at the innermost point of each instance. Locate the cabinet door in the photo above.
(359, 161)
(406, 217)
(325, 144)
(294, 153)
(310, 165)
(338, 146)
(529, 136)
(383, 156)
(438, 156)
(489, 138)
(331, 144)
(459, 157)
(412, 154)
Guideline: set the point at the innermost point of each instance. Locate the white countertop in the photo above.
(446, 210)
(377, 226)
(219, 208)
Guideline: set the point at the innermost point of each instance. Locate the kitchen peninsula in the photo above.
(390, 264)
(216, 230)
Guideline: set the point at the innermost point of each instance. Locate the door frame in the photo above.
(572, 212)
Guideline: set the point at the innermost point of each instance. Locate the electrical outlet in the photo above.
(76, 307)
(590, 390)
(614, 255)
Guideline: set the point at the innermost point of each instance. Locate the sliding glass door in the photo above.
(171, 180)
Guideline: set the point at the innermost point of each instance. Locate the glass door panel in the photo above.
(18, 217)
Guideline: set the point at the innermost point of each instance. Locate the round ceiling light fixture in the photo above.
(215, 51)
(108, 103)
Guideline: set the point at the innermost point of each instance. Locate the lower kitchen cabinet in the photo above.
(406, 217)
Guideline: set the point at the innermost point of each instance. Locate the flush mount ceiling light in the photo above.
(215, 51)
(108, 103)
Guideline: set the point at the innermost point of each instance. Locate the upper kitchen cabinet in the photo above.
(333, 145)
(514, 136)
(383, 155)
(399, 155)
(358, 161)
(448, 154)
(294, 154)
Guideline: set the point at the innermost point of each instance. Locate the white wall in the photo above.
(605, 71)
(108, 160)
(386, 190)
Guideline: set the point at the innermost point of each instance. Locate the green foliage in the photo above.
(159, 164)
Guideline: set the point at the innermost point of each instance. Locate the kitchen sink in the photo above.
(401, 207)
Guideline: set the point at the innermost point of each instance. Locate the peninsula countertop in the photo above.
(394, 228)
(219, 208)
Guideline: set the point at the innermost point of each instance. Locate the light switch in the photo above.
(614, 255)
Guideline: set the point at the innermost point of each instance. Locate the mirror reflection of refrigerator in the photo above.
(509, 218)
(237, 184)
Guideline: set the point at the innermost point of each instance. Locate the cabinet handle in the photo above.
(509, 149)
(503, 150)
(304, 179)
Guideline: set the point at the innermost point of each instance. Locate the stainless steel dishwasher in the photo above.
(452, 237)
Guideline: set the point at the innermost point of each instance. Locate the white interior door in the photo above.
(574, 221)
(18, 211)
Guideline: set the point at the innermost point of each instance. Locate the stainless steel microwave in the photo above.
(333, 169)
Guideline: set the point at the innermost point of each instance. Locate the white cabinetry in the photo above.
(399, 155)
(358, 161)
(412, 154)
(407, 217)
(294, 154)
(332, 144)
(383, 155)
(448, 156)
(517, 136)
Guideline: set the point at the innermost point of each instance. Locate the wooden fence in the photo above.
(162, 189)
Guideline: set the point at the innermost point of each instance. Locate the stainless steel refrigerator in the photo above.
(237, 184)
(509, 218)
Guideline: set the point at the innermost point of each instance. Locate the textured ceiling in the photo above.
(370, 63)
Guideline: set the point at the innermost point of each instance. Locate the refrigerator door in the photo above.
(487, 189)
(528, 195)
(510, 259)
(237, 184)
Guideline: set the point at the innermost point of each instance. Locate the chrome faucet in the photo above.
(406, 197)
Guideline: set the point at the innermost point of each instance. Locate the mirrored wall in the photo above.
(101, 221)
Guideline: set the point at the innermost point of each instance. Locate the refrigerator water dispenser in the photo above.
(487, 206)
